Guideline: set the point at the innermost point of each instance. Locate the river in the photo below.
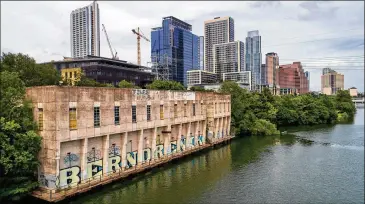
(321, 165)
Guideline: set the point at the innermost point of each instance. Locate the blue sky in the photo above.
(316, 33)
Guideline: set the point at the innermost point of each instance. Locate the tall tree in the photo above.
(165, 85)
(29, 72)
(19, 142)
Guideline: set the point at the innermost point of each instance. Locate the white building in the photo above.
(196, 77)
(228, 57)
(216, 31)
(243, 78)
(85, 31)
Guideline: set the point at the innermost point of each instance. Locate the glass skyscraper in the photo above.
(254, 57)
(175, 48)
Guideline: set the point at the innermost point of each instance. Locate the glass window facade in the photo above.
(254, 57)
(176, 48)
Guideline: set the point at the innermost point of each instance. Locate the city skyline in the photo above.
(284, 28)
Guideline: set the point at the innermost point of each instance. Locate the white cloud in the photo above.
(41, 29)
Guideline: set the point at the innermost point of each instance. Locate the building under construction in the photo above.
(103, 70)
(174, 50)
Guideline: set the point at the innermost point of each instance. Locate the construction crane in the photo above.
(139, 36)
(114, 56)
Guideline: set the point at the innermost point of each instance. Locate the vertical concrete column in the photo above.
(153, 145)
(225, 126)
(229, 126)
(222, 127)
(210, 119)
(124, 150)
(188, 136)
(58, 155)
(83, 158)
(178, 140)
(204, 133)
(197, 129)
(166, 143)
(105, 153)
(140, 148)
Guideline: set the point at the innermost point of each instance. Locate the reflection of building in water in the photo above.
(111, 129)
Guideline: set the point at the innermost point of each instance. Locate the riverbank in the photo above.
(262, 113)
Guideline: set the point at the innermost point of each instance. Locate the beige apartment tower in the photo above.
(331, 81)
(216, 31)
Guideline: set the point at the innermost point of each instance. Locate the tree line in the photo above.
(263, 113)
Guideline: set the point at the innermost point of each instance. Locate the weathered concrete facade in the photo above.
(88, 132)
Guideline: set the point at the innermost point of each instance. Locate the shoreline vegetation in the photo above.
(252, 114)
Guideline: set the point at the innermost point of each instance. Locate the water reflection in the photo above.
(175, 183)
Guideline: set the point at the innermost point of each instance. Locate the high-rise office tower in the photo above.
(271, 69)
(216, 31)
(85, 31)
(331, 81)
(228, 57)
(253, 57)
(292, 79)
(175, 49)
(201, 52)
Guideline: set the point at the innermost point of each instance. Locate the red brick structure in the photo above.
(292, 79)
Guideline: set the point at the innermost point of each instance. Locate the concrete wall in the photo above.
(69, 156)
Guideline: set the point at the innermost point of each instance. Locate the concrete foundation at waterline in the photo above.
(91, 132)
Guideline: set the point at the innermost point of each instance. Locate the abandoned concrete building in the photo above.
(87, 131)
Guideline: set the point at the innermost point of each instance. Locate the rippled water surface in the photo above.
(322, 165)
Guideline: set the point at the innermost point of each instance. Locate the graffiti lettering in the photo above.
(69, 158)
(159, 151)
(95, 168)
(114, 163)
(142, 94)
(200, 140)
(48, 180)
(182, 144)
(192, 141)
(146, 155)
(114, 150)
(69, 176)
(182, 95)
(131, 159)
(94, 155)
(173, 146)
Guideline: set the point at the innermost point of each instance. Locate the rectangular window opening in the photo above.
(96, 116)
(116, 115)
(72, 118)
(40, 119)
(161, 112)
(148, 112)
(134, 114)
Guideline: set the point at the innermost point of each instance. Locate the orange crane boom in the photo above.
(139, 36)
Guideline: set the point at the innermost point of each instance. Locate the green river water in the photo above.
(318, 165)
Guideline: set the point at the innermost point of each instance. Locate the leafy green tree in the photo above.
(19, 143)
(29, 72)
(344, 103)
(126, 84)
(165, 85)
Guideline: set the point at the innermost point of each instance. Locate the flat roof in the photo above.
(94, 58)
